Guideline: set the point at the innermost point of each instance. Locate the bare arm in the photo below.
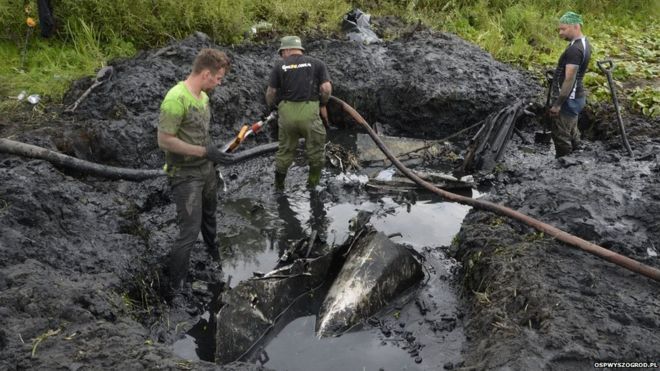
(325, 90)
(173, 144)
(271, 94)
(566, 87)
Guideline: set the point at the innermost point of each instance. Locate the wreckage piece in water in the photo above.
(399, 183)
(405, 149)
(376, 271)
(487, 147)
(253, 307)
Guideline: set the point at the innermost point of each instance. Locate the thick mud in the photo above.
(80, 257)
(539, 304)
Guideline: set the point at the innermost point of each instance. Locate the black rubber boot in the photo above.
(314, 177)
(279, 181)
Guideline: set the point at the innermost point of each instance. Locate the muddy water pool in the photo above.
(425, 223)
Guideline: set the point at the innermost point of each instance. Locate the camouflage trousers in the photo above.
(565, 133)
(300, 120)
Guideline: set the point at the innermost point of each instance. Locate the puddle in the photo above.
(257, 231)
(428, 222)
(297, 348)
(256, 246)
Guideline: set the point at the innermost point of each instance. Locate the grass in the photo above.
(50, 65)
(523, 33)
(42, 337)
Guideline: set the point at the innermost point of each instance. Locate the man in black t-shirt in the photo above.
(300, 87)
(569, 73)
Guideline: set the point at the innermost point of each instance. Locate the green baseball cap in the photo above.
(571, 18)
(290, 42)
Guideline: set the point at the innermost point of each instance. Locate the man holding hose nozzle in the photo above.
(183, 133)
(569, 73)
(300, 87)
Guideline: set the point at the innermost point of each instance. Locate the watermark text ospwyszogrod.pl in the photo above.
(626, 365)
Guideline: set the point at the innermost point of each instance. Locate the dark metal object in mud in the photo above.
(408, 150)
(401, 183)
(102, 76)
(557, 233)
(111, 172)
(357, 27)
(487, 146)
(375, 272)
(253, 308)
(606, 67)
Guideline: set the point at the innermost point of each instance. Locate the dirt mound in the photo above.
(539, 304)
(80, 257)
(429, 85)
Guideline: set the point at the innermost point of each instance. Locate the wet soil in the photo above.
(80, 257)
(539, 304)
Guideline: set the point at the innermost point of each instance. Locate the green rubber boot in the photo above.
(314, 177)
(279, 181)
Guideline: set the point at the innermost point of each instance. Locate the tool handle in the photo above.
(256, 127)
(606, 65)
(549, 75)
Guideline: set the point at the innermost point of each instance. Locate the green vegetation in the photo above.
(523, 33)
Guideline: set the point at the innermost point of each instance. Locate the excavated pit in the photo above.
(80, 257)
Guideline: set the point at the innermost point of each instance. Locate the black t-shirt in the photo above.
(298, 77)
(578, 52)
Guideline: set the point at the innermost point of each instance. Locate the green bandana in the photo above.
(571, 18)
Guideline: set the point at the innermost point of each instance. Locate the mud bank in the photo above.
(428, 86)
(539, 304)
(80, 257)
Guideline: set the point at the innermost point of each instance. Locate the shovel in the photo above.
(607, 66)
(102, 76)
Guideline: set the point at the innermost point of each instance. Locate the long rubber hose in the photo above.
(557, 233)
(112, 172)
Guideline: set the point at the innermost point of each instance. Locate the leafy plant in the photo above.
(646, 100)
(524, 33)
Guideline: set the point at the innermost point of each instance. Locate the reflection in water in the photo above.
(258, 230)
(297, 348)
(428, 222)
(268, 230)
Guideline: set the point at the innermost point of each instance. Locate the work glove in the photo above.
(217, 156)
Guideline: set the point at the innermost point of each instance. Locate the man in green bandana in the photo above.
(300, 87)
(183, 134)
(569, 73)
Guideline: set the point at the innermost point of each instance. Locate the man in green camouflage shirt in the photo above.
(183, 133)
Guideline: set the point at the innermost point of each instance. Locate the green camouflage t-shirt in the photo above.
(188, 118)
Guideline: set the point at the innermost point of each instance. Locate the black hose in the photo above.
(112, 172)
(29, 150)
